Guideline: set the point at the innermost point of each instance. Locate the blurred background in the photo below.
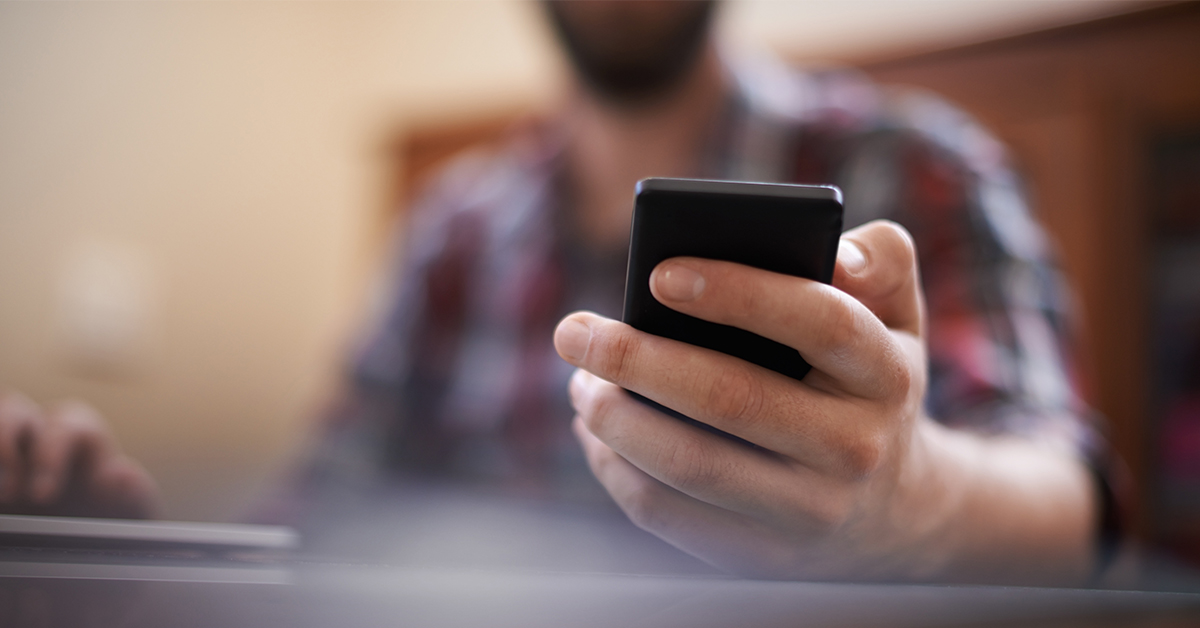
(195, 198)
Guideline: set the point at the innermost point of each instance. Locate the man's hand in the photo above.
(64, 461)
(852, 480)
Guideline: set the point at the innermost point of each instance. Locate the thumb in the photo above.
(877, 265)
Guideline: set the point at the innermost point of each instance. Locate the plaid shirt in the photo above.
(458, 376)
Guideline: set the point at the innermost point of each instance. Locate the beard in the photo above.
(631, 53)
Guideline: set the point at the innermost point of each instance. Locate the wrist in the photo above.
(932, 491)
(1011, 511)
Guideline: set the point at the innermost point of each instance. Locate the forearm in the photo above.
(1013, 511)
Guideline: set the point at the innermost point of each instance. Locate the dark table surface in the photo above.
(432, 557)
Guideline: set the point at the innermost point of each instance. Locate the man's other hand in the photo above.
(65, 461)
(851, 480)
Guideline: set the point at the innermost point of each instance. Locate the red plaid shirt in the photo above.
(458, 376)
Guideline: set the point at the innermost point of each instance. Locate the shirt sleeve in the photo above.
(1000, 321)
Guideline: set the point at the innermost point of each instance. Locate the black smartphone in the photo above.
(790, 229)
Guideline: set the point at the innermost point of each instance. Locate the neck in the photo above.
(612, 146)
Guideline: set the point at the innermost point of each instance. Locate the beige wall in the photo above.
(185, 192)
(188, 192)
(864, 30)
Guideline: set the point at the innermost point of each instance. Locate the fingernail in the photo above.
(851, 257)
(572, 338)
(678, 283)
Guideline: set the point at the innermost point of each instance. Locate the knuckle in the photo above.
(894, 378)
(688, 465)
(601, 461)
(618, 353)
(839, 325)
(863, 456)
(642, 504)
(899, 379)
(827, 515)
(737, 394)
(598, 412)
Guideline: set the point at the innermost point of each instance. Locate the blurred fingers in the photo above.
(124, 489)
(75, 439)
(720, 537)
(703, 465)
(711, 468)
(21, 422)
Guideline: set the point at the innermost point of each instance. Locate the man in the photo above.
(938, 437)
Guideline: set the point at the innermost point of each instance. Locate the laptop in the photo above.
(26, 532)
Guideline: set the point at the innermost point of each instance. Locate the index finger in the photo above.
(835, 333)
(843, 331)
